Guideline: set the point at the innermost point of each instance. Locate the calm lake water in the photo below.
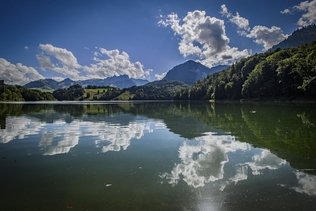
(158, 156)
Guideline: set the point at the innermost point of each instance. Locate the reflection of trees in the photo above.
(279, 129)
(8, 110)
(272, 126)
(179, 117)
(74, 110)
(285, 129)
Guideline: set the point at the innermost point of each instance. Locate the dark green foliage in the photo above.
(111, 93)
(11, 93)
(18, 93)
(74, 92)
(280, 74)
(158, 90)
(36, 95)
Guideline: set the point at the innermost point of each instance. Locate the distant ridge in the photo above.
(122, 81)
(43, 84)
(299, 37)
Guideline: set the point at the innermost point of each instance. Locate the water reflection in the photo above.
(222, 146)
(59, 139)
(306, 183)
(18, 128)
(211, 159)
(203, 161)
(60, 136)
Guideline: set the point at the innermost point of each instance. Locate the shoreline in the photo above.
(153, 101)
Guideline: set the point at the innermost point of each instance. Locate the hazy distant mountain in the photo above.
(299, 37)
(66, 83)
(43, 84)
(191, 71)
(122, 81)
(140, 82)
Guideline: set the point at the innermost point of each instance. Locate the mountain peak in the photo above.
(190, 71)
(67, 80)
(191, 62)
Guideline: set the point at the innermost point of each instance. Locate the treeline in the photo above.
(158, 90)
(74, 92)
(19, 93)
(280, 74)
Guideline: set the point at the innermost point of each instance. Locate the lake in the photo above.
(158, 156)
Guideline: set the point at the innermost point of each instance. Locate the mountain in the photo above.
(122, 81)
(191, 71)
(66, 83)
(218, 68)
(49, 84)
(139, 82)
(299, 37)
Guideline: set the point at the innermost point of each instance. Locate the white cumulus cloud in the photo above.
(160, 76)
(17, 73)
(105, 63)
(267, 37)
(308, 8)
(113, 63)
(59, 60)
(241, 22)
(203, 36)
(286, 11)
(262, 35)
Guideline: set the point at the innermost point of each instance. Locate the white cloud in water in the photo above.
(203, 36)
(306, 183)
(64, 136)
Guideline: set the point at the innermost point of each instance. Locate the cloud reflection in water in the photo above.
(60, 137)
(203, 161)
(19, 127)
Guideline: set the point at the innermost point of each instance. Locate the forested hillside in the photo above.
(19, 93)
(299, 37)
(280, 74)
(74, 92)
(157, 90)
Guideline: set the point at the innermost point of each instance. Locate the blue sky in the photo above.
(96, 39)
